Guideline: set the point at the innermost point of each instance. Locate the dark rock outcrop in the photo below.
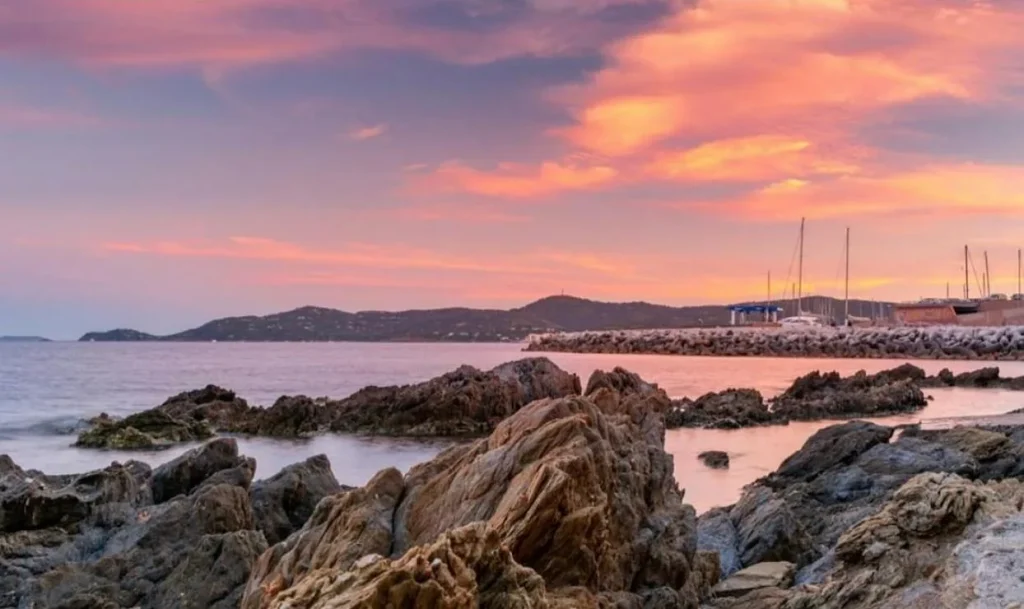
(729, 409)
(285, 501)
(465, 402)
(818, 396)
(874, 522)
(99, 540)
(564, 505)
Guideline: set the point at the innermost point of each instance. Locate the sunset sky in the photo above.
(164, 162)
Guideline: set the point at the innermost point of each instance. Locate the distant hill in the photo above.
(23, 339)
(555, 313)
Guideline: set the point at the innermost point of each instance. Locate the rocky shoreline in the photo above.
(570, 502)
(940, 343)
(469, 403)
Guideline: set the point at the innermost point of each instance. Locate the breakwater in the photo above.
(1004, 343)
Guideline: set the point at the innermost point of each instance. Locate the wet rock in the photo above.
(466, 402)
(729, 409)
(715, 459)
(284, 502)
(148, 430)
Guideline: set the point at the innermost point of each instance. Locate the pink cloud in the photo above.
(368, 133)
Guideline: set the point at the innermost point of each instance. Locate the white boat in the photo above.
(801, 320)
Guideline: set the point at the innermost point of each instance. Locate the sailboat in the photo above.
(801, 318)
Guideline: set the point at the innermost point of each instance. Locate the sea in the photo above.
(47, 390)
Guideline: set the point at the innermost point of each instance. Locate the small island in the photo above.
(24, 339)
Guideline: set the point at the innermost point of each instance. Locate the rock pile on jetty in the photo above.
(464, 402)
(961, 343)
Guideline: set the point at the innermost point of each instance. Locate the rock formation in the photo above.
(729, 409)
(564, 505)
(183, 535)
(465, 402)
(930, 519)
(812, 397)
(963, 343)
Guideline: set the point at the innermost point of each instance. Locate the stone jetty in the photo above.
(936, 343)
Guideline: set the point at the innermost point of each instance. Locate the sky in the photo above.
(165, 162)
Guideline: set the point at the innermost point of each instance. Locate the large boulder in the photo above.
(465, 402)
(285, 501)
(563, 501)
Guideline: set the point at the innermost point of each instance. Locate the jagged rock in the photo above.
(622, 391)
(583, 502)
(729, 409)
(467, 567)
(107, 544)
(761, 575)
(284, 502)
(820, 396)
(32, 500)
(715, 459)
(147, 430)
(187, 417)
(187, 472)
(829, 447)
(466, 402)
(926, 546)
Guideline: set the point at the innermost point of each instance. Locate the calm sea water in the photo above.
(47, 389)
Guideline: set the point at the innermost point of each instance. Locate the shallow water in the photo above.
(46, 389)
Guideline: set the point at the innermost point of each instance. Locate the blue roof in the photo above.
(755, 309)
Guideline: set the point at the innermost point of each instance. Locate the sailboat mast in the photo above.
(1019, 261)
(846, 304)
(800, 273)
(988, 277)
(967, 277)
(767, 312)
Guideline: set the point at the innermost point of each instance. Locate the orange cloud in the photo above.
(760, 157)
(732, 68)
(520, 181)
(472, 214)
(931, 190)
